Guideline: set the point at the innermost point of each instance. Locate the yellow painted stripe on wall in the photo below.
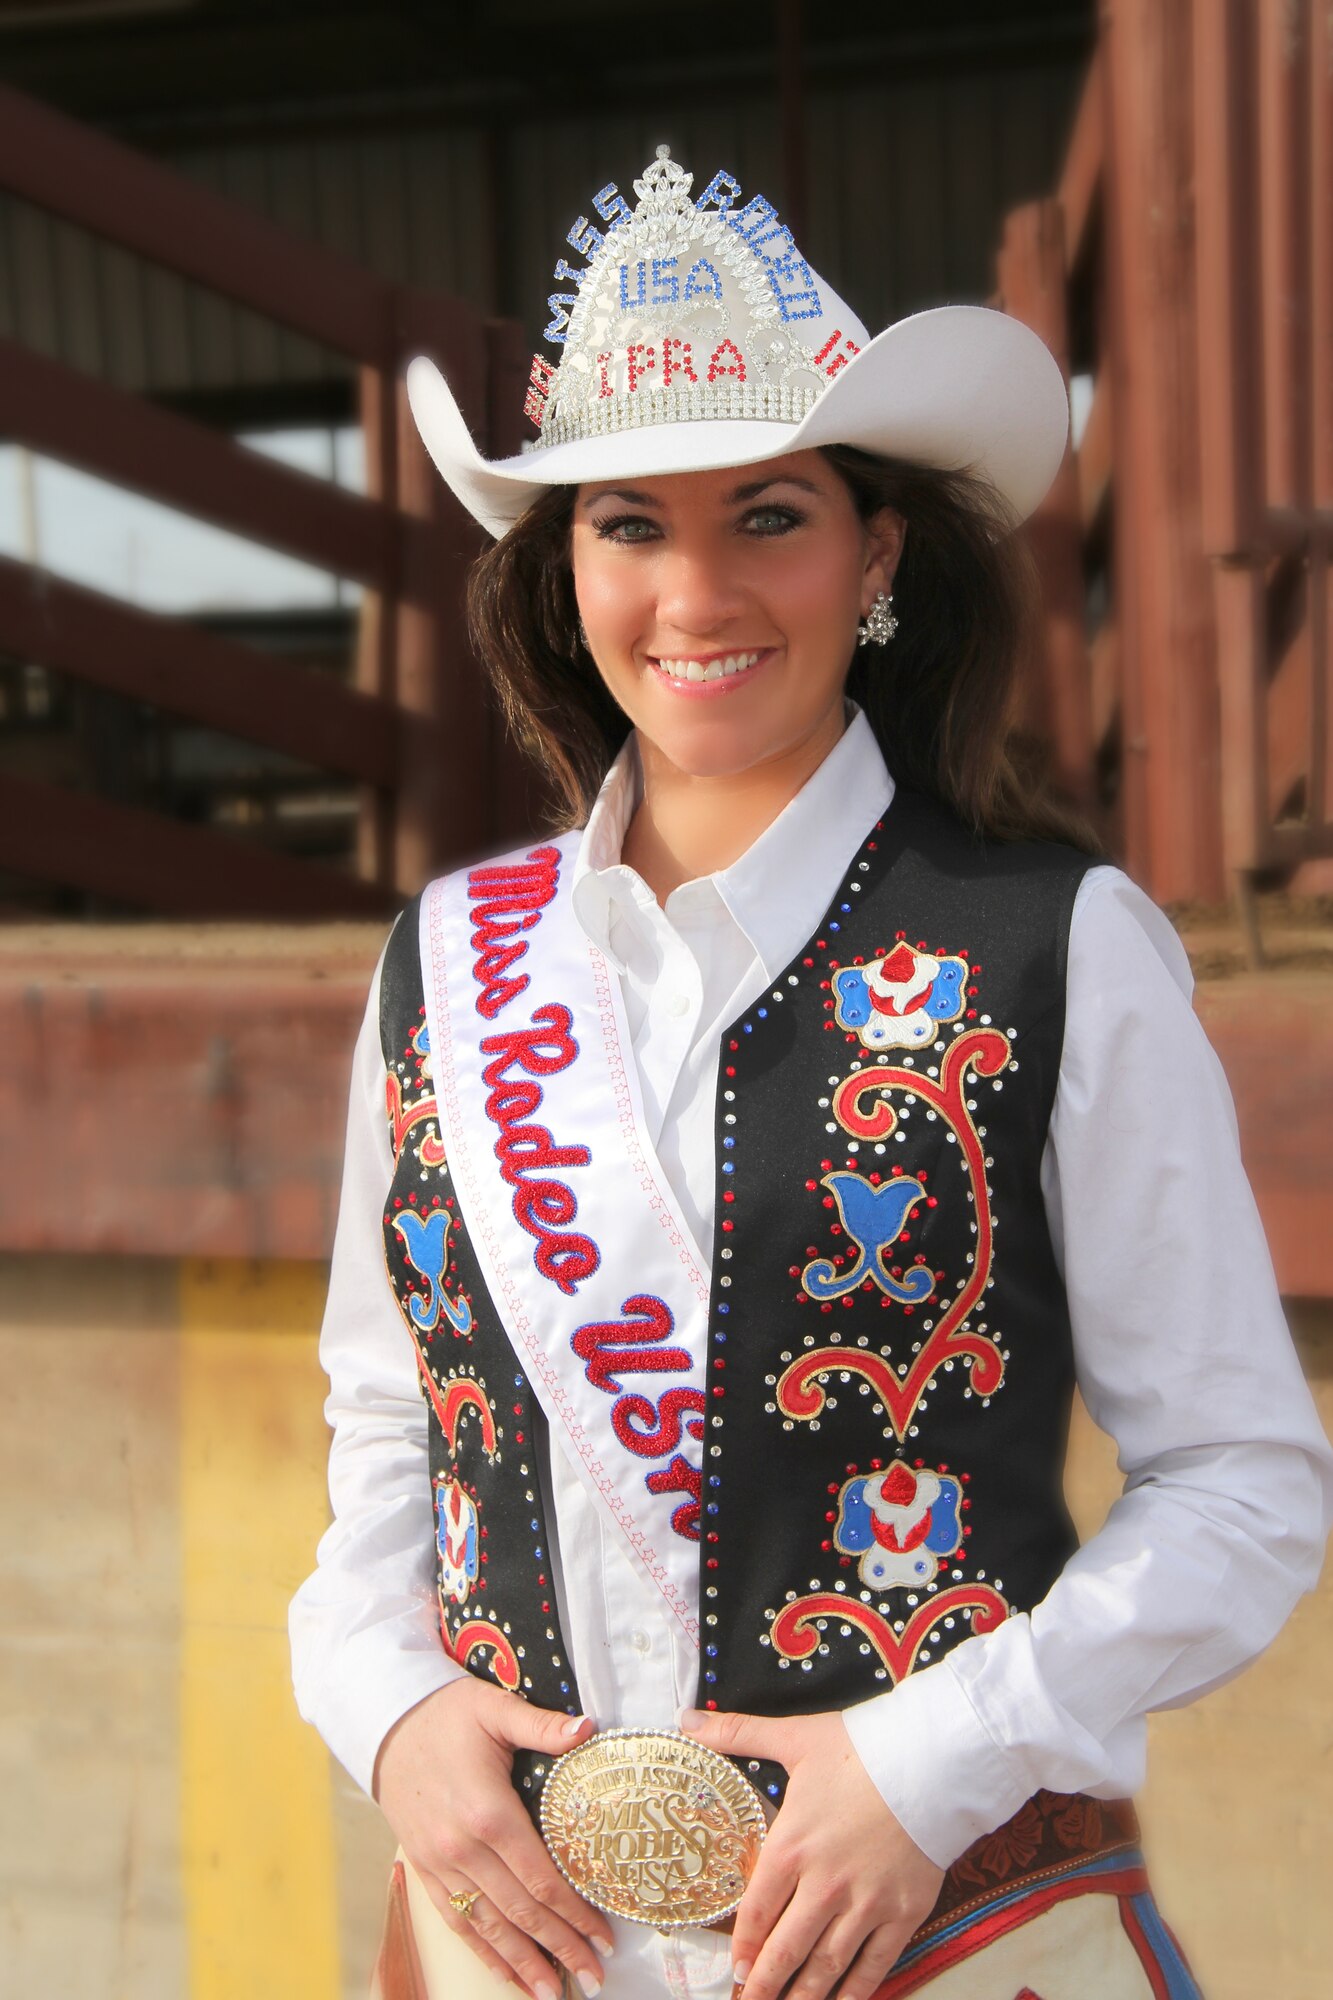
(258, 1849)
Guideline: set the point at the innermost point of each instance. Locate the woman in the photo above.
(763, 1162)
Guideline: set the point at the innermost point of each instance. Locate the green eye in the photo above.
(614, 530)
(779, 520)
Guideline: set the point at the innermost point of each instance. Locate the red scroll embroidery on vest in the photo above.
(901, 1523)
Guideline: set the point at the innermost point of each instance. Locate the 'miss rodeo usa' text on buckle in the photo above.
(648, 1825)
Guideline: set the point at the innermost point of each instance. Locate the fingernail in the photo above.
(545, 1990)
(603, 1945)
(741, 1971)
(591, 1982)
(573, 1726)
(690, 1718)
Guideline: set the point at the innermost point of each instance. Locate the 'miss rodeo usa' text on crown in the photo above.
(685, 310)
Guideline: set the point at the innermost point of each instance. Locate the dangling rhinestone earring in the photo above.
(879, 624)
(583, 637)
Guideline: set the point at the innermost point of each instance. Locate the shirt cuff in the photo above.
(933, 1762)
(377, 1684)
(955, 1749)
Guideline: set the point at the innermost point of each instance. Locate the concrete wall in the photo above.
(172, 1831)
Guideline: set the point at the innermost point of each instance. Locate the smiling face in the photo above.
(721, 607)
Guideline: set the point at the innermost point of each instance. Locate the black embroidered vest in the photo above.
(889, 1367)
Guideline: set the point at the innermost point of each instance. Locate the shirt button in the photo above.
(678, 1003)
(640, 1642)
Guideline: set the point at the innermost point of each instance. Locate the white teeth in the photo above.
(696, 670)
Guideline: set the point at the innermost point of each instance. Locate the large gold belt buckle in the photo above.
(651, 1826)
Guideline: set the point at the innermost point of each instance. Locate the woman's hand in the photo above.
(442, 1779)
(839, 1887)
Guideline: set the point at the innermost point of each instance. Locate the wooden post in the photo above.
(1239, 589)
(1167, 620)
(1230, 355)
(1231, 393)
(1282, 270)
(791, 99)
(1032, 280)
(521, 804)
(1320, 356)
(1116, 663)
(445, 796)
(377, 630)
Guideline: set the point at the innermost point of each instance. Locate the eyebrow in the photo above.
(746, 492)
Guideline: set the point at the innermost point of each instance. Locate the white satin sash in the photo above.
(584, 1250)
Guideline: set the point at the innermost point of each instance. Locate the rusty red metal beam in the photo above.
(1226, 260)
(1130, 818)
(446, 790)
(1105, 678)
(1282, 291)
(1033, 282)
(1081, 175)
(1167, 626)
(377, 626)
(1243, 711)
(1319, 583)
(1289, 715)
(129, 856)
(125, 439)
(1094, 454)
(189, 672)
(520, 799)
(1321, 254)
(1320, 352)
(1265, 282)
(119, 194)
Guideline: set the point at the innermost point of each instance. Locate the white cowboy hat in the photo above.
(698, 336)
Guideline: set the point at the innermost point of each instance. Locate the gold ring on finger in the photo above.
(463, 1899)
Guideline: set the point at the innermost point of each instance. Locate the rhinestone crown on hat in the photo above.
(686, 310)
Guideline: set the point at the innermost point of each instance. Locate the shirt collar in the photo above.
(778, 890)
(600, 880)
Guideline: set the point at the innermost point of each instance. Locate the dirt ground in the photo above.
(1296, 933)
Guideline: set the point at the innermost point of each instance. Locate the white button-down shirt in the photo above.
(1181, 1351)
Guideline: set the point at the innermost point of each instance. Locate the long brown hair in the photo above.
(938, 695)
